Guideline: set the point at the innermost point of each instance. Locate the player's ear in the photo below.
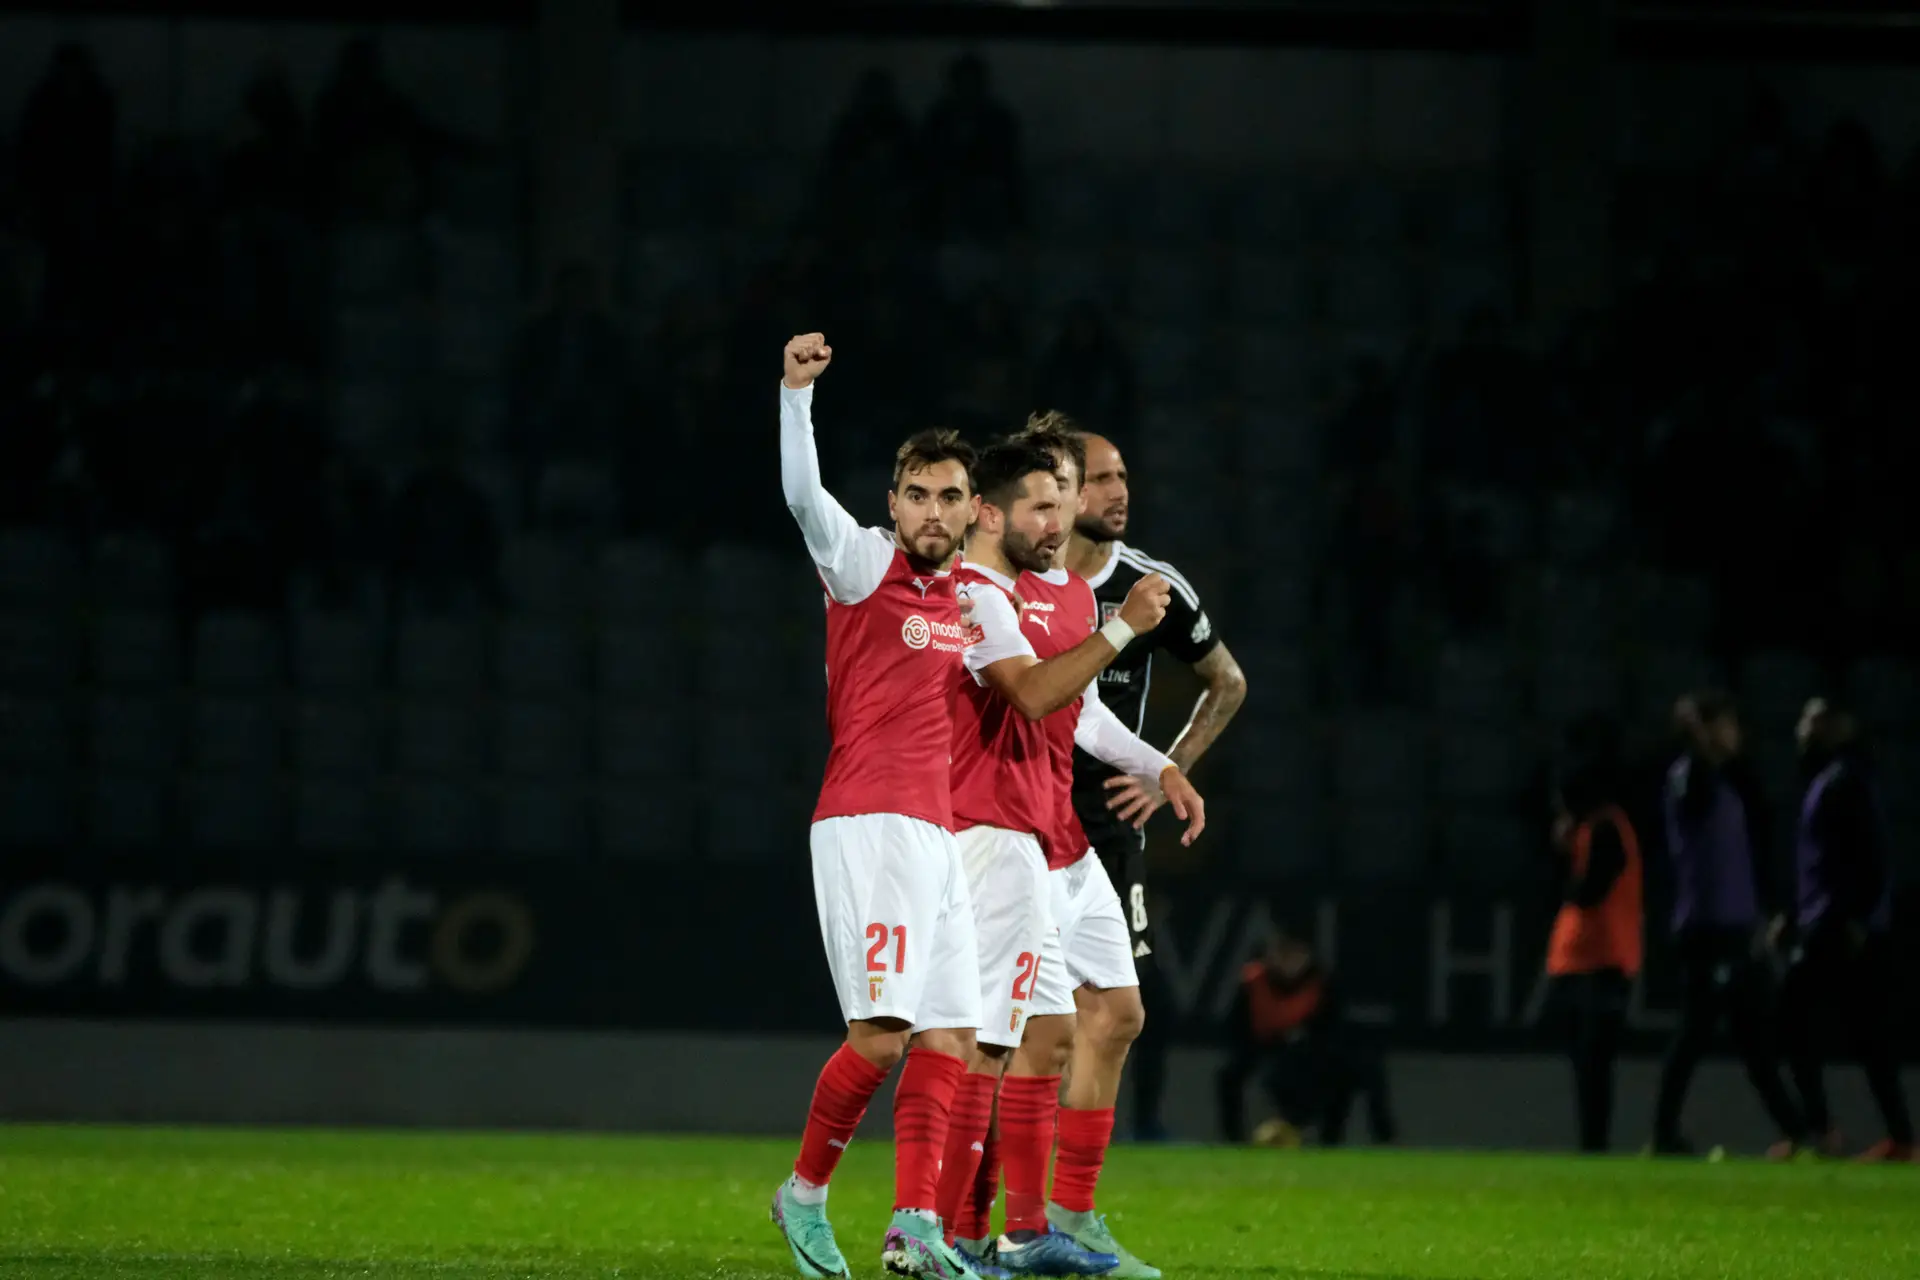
(973, 508)
(892, 514)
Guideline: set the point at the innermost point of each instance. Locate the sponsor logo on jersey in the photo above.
(1202, 628)
(948, 637)
(915, 632)
(1036, 611)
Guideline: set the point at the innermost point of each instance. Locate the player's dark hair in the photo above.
(1005, 464)
(1712, 704)
(923, 449)
(1059, 435)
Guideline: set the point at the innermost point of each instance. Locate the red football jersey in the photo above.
(893, 665)
(1003, 768)
(1059, 612)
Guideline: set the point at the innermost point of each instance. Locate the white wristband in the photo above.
(1118, 633)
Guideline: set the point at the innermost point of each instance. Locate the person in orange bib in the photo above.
(1594, 953)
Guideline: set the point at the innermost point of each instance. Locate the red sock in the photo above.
(1027, 1107)
(976, 1213)
(966, 1143)
(847, 1084)
(922, 1106)
(1084, 1137)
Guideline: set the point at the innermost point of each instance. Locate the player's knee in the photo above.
(880, 1043)
(1124, 1017)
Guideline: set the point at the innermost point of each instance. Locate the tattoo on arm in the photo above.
(1226, 690)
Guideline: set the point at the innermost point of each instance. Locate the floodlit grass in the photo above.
(154, 1203)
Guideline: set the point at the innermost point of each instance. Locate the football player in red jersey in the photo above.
(895, 914)
(1026, 676)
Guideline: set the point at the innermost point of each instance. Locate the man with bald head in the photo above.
(1098, 554)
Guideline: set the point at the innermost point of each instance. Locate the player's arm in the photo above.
(1189, 637)
(1038, 689)
(851, 560)
(1149, 779)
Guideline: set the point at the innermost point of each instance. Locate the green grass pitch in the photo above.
(252, 1205)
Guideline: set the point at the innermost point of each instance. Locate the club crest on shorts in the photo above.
(1013, 1023)
(875, 981)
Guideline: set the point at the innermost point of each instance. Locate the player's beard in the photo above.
(1026, 555)
(1105, 527)
(932, 544)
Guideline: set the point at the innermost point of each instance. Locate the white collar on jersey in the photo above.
(992, 575)
(1054, 577)
(1099, 578)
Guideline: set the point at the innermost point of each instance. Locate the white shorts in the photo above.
(1012, 917)
(897, 921)
(1095, 948)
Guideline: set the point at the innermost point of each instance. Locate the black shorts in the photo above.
(1123, 852)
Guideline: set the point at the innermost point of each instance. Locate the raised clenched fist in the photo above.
(807, 357)
(1146, 604)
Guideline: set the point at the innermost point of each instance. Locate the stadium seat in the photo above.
(235, 735)
(1479, 765)
(1268, 213)
(1279, 837)
(480, 192)
(1076, 203)
(1284, 675)
(1455, 288)
(735, 748)
(126, 811)
(1569, 685)
(237, 653)
(1275, 754)
(440, 655)
(134, 733)
(335, 815)
(1361, 212)
(641, 743)
(1370, 294)
(639, 579)
(36, 566)
(34, 652)
(1488, 847)
(736, 582)
(334, 652)
(1580, 528)
(540, 740)
(436, 816)
(438, 739)
(1066, 274)
(1382, 757)
(335, 738)
(1164, 362)
(1179, 209)
(737, 668)
(657, 265)
(235, 812)
(544, 658)
(474, 266)
(371, 415)
(37, 810)
(543, 820)
(35, 733)
(545, 577)
(1274, 364)
(136, 650)
(373, 265)
(474, 339)
(1170, 289)
(648, 822)
(132, 570)
(642, 661)
(1886, 692)
(1578, 613)
(762, 832)
(1267, 290)
(1476, 683)
(383, 342)
(1378, 843)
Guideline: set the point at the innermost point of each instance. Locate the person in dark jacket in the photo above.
(1839, 985)
(1725, 892)
(1289, 1020)
(1594, 952)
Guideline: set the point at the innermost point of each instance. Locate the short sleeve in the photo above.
(996, 627)
(1186, 632)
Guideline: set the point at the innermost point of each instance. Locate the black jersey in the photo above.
(1185, 632)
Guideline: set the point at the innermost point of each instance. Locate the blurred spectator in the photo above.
(1086, 372)
(868, 179)
(445, 543)
(267, 188)
(992, 378)
(241, 542)
(65, 160)
(164, 287)
(971, 145)
(375, 149)
(570, 404)
(1289, 1025)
